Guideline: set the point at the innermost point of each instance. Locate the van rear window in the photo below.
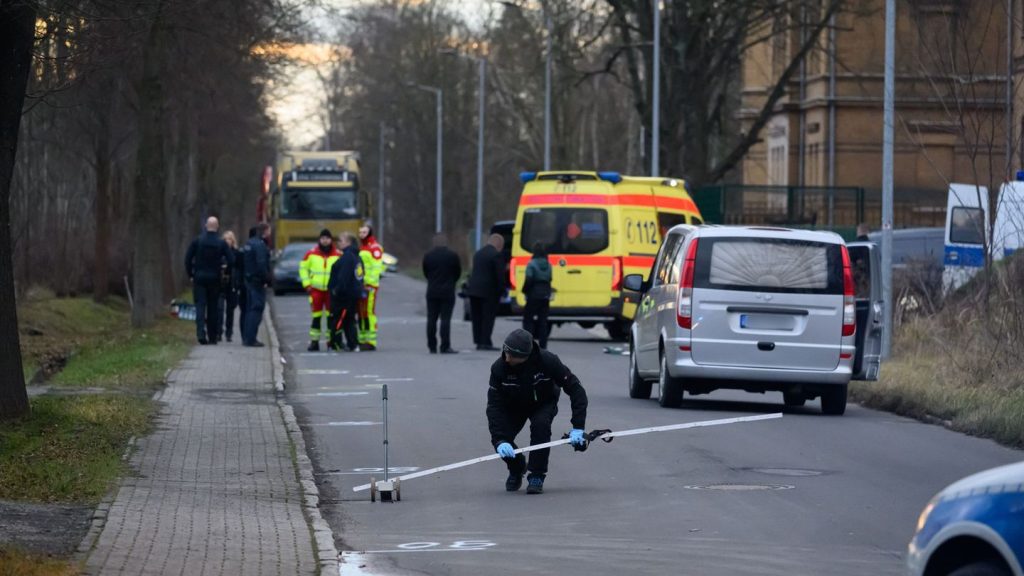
(769, 265)
(565, 230)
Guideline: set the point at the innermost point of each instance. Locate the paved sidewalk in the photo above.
(214, 489)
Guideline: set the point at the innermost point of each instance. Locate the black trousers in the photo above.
(206, 296)
(243, 299)
(343, 322)
(440, 308)
(228, 303)
(255, 301)
(540, 432)
(535, 319)
(483, 312)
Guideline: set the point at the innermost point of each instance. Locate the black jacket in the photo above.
(346, 281)
(257, 262)
(442, 269)
(488, 277)
(521, 389)
(205, 256)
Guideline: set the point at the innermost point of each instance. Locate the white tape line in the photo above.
(634, 432)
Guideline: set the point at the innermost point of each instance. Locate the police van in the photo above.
(597, 227)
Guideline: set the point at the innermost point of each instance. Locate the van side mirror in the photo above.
(633, 283)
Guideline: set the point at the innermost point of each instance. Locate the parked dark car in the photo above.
(286, 268)
(503, 227)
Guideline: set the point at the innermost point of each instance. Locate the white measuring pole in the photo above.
(634, 432)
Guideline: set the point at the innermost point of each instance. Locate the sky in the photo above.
(296, 98)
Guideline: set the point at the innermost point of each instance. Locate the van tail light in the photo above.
(684, 307)
(849, 307)
(616, 274)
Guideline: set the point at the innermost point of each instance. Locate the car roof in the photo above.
(713, 231)
(1009, 478)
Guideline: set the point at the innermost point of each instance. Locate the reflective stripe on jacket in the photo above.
(315, 268)
(372, 256)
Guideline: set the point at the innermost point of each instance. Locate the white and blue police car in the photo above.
(975, 527)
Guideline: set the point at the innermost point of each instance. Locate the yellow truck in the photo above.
(597, 227)
(312, 191)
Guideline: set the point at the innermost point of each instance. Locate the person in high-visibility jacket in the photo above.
(315, 272)
(371, 253)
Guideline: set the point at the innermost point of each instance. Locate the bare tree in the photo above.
(17, 28)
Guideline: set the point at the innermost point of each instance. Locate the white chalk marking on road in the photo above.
(351, 564)
(394, 379)
(364, 471)
(634, 432)
(306, 372)
(337, 394)
(458, 546)
(361, 376)
(359, 423)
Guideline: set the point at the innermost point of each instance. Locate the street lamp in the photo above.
(481, 96)
(438, 93)
(656, 92)
(547, 80)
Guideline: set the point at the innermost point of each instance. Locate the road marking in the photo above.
(321, 372)
(363, 471)
(458, 546)
(359, 423)
(394, 379)
(341, 393)
(362, 376)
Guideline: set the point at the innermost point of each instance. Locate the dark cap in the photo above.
(327, 233)
(519, 343)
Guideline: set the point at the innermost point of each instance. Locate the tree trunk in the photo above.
(101, 259)
(148, 207)
(17, 28)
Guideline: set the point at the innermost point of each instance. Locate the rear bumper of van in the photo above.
(681, 365)
(580, 313)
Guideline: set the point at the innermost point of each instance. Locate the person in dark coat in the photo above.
(231, 288)
(486, 286)
(525, 385)
(257, 278)
(345, 286)
(537, 289)
(442, 269)
(203, 261)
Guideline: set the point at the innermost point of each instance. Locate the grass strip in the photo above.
(16, 563)
(69, 448)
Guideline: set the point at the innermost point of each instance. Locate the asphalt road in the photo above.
(807, 494)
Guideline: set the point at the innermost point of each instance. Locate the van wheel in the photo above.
(986, 568)
(670, 393)
(618, 330)
(833, 400)
(794, 399)
(638, 387)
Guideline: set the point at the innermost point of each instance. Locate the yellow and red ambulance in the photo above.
(597, 228)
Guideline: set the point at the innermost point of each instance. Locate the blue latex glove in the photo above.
(506, 450)
(576, 437)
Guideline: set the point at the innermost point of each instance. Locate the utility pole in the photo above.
(656, 93)
(887, 174)
(380, 183)
(481, 105)
(547, 92)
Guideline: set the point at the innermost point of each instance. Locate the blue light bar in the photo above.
(1020, 175)
(527, 176)
(613, 177)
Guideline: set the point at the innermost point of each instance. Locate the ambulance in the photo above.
(597, 228)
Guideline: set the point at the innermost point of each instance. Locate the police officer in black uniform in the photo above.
(346, 287)
(526, 383)
(203, 262)
(257, 278)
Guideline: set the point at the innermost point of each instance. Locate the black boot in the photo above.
(314, 346)
(536, 484)
(513, 482)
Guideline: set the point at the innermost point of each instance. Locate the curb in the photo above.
(327, 553)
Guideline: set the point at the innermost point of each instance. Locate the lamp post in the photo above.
(656, 93)
(887, 172)
(439, 94)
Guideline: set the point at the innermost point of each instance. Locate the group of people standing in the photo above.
(342, 281)
(225, 276)
(485, 288)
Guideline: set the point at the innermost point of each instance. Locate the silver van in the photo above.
(756, 309)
